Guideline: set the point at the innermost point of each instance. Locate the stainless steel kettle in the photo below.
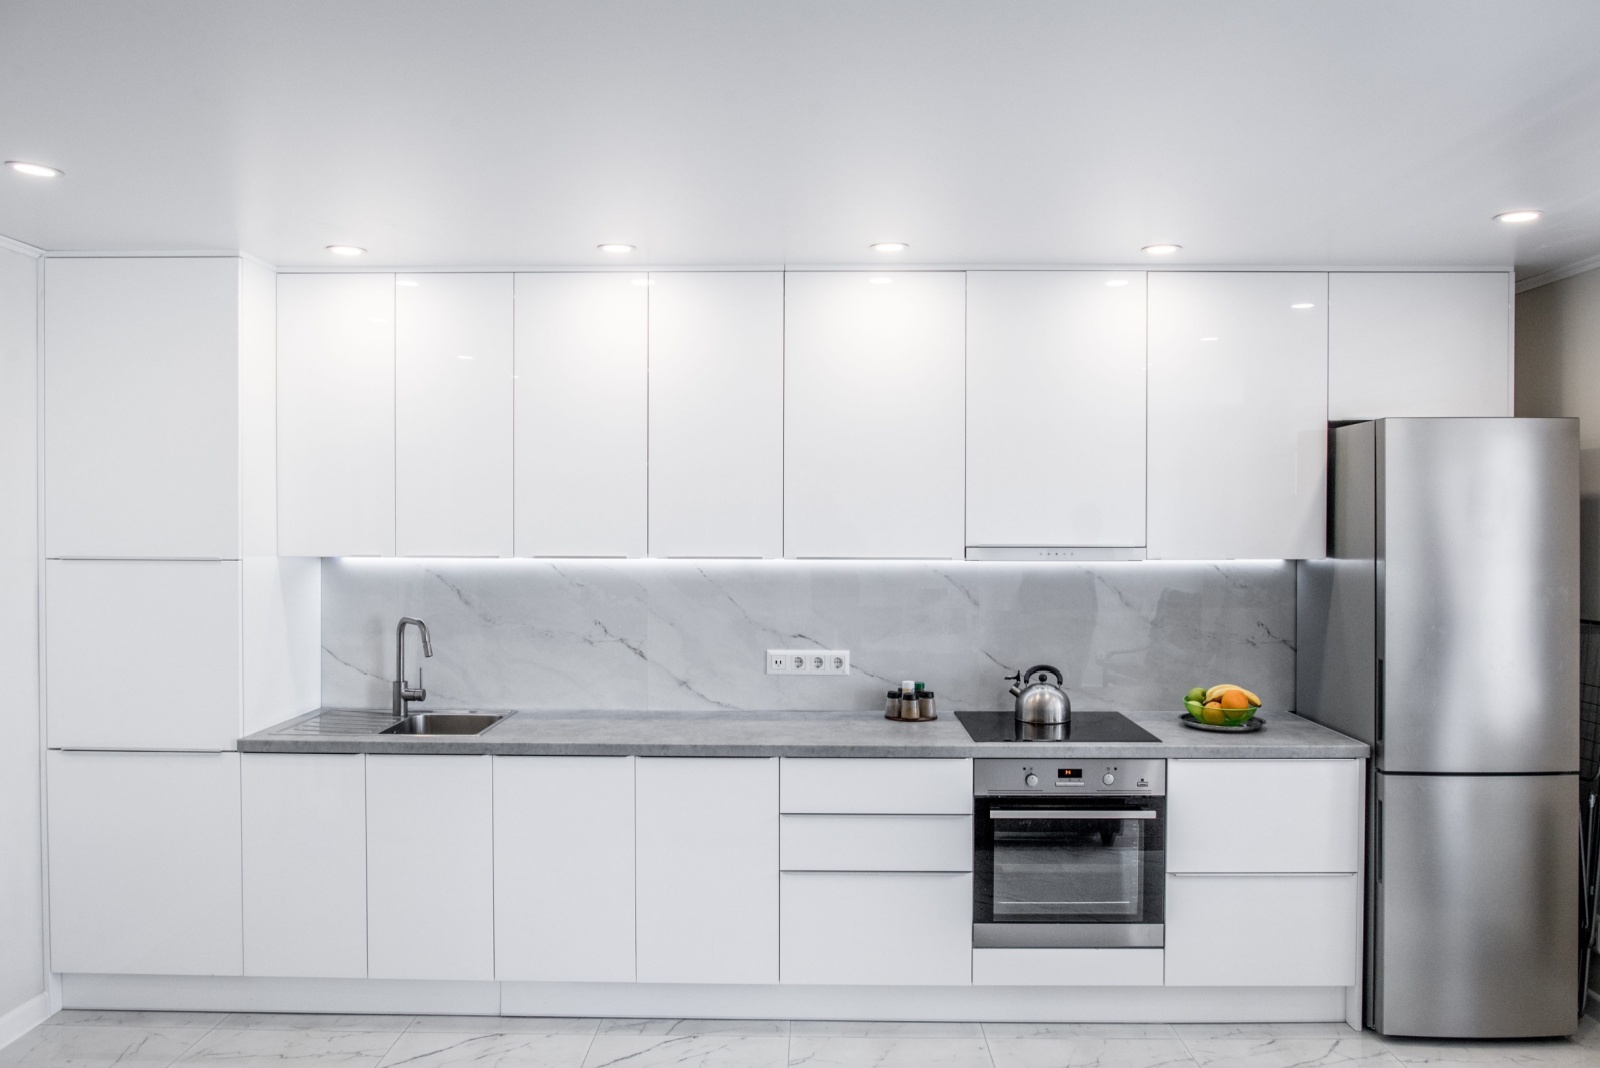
(1039, 701)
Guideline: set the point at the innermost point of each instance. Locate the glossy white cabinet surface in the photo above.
(1067, 967)
(430, 867)
(143, 654)
(452, 365)
(874, 423)
(144, 863)
(582, 399)
(877, 928)
(716, 414)
(707, 869)
(563, 869)
(336, 415)
(1262, 930)
(1419, 344)
(1303, 815)
(894, 785)
(1238, 409)
(1055, 408)
(141, 386)
(876, 843)
(305, 864)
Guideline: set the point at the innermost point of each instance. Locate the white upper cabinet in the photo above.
(452, 357)
(141, 380)
(1055, 408)
(1238, 409)
(874, 419)
(716, 414)
(336, 415)
(582, 397)
(1420, 344)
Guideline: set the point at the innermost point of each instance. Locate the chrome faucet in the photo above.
(402, 692)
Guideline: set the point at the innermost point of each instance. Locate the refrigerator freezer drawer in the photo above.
(1476, 906)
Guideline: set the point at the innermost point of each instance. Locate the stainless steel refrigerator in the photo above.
(1443, 631)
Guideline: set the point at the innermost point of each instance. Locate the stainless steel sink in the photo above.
(445, 723)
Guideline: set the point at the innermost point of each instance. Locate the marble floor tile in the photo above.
(134, 1018)
(1554, 1051)
(314, 1021)
(885, 1029)
(260, 1048)
(1270, 1051)
(1077, 1030)
(1265, 1030)
(1089, 1053)
(816, 1051)
(99, 1046)
(742, 1028)
(686, 1051)
(506, 1025)
(423, 1049)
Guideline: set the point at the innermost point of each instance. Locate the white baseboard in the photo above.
(232, 993)
(24, 1018)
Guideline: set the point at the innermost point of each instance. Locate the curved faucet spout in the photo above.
(404, 694)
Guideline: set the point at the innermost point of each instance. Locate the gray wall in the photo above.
(681, 635)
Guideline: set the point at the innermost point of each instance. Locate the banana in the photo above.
(1217, 691)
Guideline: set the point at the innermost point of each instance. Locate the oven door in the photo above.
(1057, 871)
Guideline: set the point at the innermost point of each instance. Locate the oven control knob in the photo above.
(1108, 778)
(1031, 779)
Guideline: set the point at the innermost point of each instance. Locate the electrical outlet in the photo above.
(808, 661)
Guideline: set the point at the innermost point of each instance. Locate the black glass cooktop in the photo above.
(1085, 727)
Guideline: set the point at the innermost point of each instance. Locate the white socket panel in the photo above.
(808, 661)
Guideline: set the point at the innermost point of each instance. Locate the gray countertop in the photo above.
(804, 734)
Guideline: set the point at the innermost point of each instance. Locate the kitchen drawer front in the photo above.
(1262, 930)
(877, 928)
(1264, 815)
(1067, 967)
(934, 787)
(876, 843)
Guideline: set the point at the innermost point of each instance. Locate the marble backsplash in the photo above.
(692, 635)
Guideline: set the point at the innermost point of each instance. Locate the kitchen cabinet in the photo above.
(1262, 930)
(1303, 815)
(707, 861)
(1055, 408)
(877, 928)
(143, 654)
(1238, 409)
(892, 785)
(1067, 967)
(141, 400)
(453, 446)
(812, 842)
(430, 867)
(1414, 343)
(305, 867)
(144, 863)
(716, 414)
(564, 869)
(336, 415)
(582, 397)
(874, 423)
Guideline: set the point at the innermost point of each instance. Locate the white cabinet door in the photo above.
(1067, 345)
(336, 414)
(1238, 415)
(430, 867)
(716, 414)
(813, 842)
(888, 785)
(1262, 930)
(143, 654)
(1423, 344)
(707, 869)
(452, 366)
(877, 928)
(1264, 815)
(874, 420)
(305, 864)
(582, 398)
(141, 422)
(563, 869)
(1067, 967)
(144, 863)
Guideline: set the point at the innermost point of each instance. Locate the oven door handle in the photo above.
(1073, 814)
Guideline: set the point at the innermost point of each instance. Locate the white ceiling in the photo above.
(746, 132)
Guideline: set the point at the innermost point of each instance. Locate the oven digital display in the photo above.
(1069, 775)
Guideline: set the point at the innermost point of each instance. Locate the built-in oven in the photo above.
(1069, 853)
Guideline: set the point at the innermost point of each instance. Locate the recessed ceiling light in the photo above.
(889, 246)
(1162, 250)
(1208, 339)
(1302, 306)
(614, 246)
(1117, 282)
(35, 170)
(879, 280)
(463, 357)
(1523, 215)
(346, 250)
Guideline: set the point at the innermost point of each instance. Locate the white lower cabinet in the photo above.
(563, 869)
(1262, 930)
(305, 870)
(707, 869)
(1304, 815)
(877, 928)
(144, 863)
(430, 867)
(876, 843)
(1066, 967)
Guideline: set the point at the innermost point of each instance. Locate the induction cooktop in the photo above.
(1084, 727)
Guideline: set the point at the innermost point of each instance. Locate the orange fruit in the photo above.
(1234, 699)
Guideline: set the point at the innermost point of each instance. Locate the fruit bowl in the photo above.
(1220, 717)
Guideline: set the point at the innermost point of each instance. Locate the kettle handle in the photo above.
(1028, 675)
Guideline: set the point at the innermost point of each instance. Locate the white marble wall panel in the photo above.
(682, 635)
